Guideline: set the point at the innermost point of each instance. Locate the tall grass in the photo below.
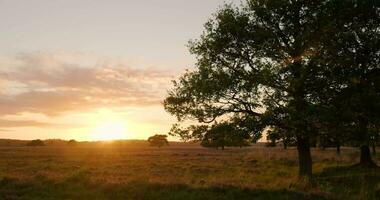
(179, 172)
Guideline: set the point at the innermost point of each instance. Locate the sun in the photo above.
(112, 130)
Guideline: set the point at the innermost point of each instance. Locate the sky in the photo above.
(93, 69)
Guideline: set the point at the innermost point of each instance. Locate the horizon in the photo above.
(179, 99)
(93, 71)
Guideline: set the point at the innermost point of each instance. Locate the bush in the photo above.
(35, 143)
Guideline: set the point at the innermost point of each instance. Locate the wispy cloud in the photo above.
(22, 123)
(46, 83)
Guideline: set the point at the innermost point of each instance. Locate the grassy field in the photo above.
(179, 172)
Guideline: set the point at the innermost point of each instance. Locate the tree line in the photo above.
(304, 70)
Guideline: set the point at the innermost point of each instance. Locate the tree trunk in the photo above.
(285, 144)
(365, 156)
(374, 148)
(338, 147)
(374, 143)
(304, 158)
(222, 147)
(365, 153)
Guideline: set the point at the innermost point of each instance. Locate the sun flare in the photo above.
(109, 131)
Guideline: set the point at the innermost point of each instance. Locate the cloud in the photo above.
(48, 84)
(21, 123)
(8, 125)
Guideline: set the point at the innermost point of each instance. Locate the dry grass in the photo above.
(178, 172)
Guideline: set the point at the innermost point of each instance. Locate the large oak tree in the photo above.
(350, 56)
(261, 65)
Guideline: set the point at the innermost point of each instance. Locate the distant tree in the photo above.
(276, 135)
(273, 137)
(55, 142)
(35, 143)
(374, 137)
(158, 140)
(335, 129)
(240, 139)
(214, 138)
(223, 135)
(72, 142)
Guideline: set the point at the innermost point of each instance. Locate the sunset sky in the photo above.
(93, 69)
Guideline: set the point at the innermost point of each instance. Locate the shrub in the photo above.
(35, 143)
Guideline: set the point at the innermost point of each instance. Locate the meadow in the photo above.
(180, 171)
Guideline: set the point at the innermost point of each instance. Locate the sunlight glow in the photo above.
(109, 131)
(108, 126)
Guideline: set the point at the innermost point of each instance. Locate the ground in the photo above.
(179, 172)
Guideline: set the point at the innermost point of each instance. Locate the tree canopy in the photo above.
(281, 64)
(158, 140)
(35, 143)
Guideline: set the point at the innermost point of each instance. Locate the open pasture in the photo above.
(179, 172)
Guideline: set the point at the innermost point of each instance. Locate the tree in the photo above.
(158, 140)
(351, 56)
(35, 143)
(276, 134)
(215, 138)
(240, 139)
(224, 134)
(273, 137)
(254, 65)
(267, 65)
(72, 142)
(375, 137)
(335, 128)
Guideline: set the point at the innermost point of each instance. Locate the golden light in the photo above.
(109, 131)
(108, 126)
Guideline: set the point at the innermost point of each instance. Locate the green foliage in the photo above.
(224, 134)
(217, 135)
(253, 63)
(275, 135)
(288, 65)
(272, 137)
(351, 61)
(158, 140)
(35, 143)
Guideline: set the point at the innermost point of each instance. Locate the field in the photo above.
(179, 172)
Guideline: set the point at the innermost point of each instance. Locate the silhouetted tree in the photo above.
(240, 139)
(265, 64)
(35, 143)
(351, 61)
(272, 138)
(158, 140)
(72, 142)
(215, 139)
(253, 64)
(276, 134)
(335, 129)
(224, 134)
